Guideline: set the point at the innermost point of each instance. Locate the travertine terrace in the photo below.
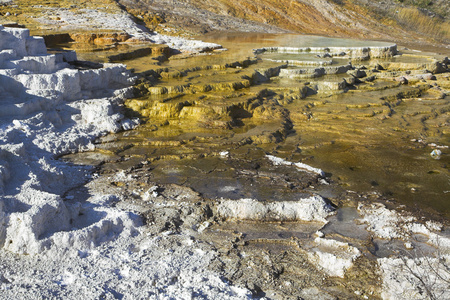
(268, 166)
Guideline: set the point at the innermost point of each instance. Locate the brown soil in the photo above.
(375, 20)
(415, 23)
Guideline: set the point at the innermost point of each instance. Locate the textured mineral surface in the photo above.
(288, 167)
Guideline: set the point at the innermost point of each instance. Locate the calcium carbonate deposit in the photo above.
(50, 108)
(76, 246)
(307, 209)
(65, 19)
(69, 232)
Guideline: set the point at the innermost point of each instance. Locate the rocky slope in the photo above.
(403, 21)
(408, 21)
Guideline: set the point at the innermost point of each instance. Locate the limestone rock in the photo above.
(48, 108)
(358, 73)
(313, 208)
(333, 257)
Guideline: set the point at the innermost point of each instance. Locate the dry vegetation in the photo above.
(415, 20)
(348, 17)
(403, 21)
(439, 7)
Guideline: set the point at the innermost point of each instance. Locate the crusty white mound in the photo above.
(99, 19)
(411, 274)
(78, 245)
(48, 108)
(312, 208)
(334, 257)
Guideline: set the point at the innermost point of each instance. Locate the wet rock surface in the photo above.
(252, 102)
(236, 183)
(274, 259)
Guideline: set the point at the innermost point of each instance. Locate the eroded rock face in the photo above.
(331, 18)
(44, 114)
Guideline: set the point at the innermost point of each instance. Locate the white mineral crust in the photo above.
(76, 246)
(312, 208)
(334, 257)
(415, 278)
(279, 161)
(390, 224)
(44, 114)
(412, 274)
(121, 21)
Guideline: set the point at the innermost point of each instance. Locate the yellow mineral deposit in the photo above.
(272, 155)
(362, 122)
